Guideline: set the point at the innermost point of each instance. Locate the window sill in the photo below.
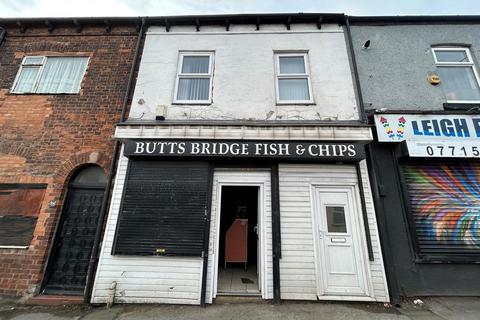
(447, 260)
(43, 94)
(460, 105)
(14, 247)
(182, 103)
(296, 103)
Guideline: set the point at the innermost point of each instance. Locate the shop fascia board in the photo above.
(346, 132)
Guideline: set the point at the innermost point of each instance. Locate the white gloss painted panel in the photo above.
(295, 181)
(244, 76)
(193, 131)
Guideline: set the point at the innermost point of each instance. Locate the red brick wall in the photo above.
(44, 138)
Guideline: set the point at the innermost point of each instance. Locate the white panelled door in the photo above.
(340, 263)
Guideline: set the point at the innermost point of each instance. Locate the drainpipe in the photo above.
(3, 33)
(356, 79)
(372, 173)
(92, 266)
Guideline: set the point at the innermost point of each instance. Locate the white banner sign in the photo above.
(415, 127)
(443, 149)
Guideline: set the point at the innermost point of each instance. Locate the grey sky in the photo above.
(81, 8)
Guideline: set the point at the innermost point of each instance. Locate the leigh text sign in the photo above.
(434, 135)
(246, 149)
(399, 127)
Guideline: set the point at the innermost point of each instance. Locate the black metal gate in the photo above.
(67, 270)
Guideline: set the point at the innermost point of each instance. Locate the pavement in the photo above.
(438, 308)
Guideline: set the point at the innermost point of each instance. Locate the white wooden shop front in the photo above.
(323, 227)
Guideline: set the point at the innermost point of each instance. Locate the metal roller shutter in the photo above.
(163, 209)
(445, 207)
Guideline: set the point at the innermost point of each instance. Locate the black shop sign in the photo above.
(281, 150)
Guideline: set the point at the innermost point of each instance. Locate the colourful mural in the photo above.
(445, 201)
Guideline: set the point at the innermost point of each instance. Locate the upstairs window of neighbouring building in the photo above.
(39, 74)
(293, 78)
(194, 78)
(460, 81)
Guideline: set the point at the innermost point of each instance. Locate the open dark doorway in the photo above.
(239, 244)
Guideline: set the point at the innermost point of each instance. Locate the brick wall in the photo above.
(45, 138)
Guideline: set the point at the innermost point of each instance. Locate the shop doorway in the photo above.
(67, 269)
(239, 245)
(259, 180)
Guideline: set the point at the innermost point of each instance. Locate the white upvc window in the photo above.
(52, 74)
(292, 73)
(194, 78)
(458, 75)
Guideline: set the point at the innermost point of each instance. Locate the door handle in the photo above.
(320, 234)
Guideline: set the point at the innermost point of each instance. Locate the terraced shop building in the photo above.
(420, 83)
(62, 89)
(242, 167)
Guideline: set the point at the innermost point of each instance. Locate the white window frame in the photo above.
(180, 75)
(41, 66)
(305, 75)
(469, 63)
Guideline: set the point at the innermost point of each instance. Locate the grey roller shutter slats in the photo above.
(163, 209)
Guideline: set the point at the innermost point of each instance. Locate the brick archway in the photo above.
(64, 172)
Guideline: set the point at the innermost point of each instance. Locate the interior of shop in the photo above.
(238, 245)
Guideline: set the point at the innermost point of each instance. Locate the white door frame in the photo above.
(358, 228)
(254, 181)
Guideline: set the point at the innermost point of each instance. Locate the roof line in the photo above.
(254, 18)
(415, 19)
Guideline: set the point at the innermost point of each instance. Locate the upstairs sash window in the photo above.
(293, 78)
(194, 78)
(458, 75)
(55, 75)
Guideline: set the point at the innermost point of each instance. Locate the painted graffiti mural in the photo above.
(445, 204)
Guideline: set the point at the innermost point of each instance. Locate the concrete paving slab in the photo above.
(102, 313)
(42, 316)
(432, 309)
(454, 308)
(418, 312)
(425, 317)
(290, 311)
(24, 312)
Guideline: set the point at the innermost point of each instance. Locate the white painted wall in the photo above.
(141, 279)
(244, 75)
(297, 265)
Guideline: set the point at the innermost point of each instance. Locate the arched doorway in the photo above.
(67, 269)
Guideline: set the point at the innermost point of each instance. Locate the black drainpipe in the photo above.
(372, 173)
(3, 33)
(356, 80)
(364, 211)
(92, 265)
